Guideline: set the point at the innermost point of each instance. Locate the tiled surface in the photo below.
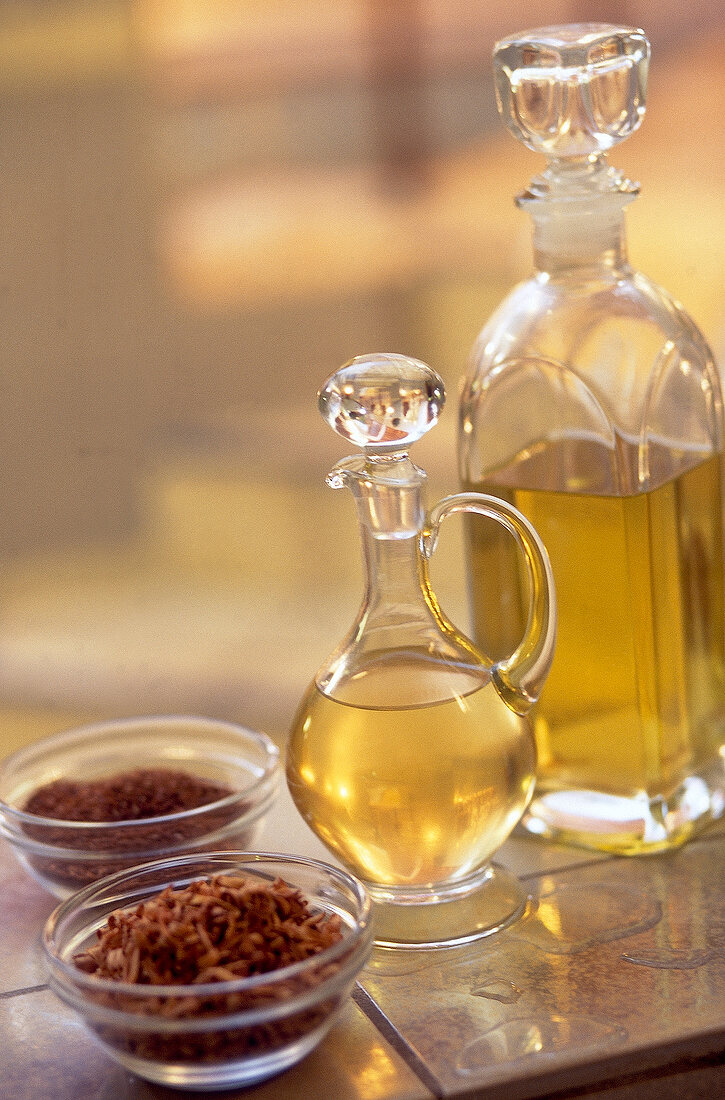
(616, 970)
(48, 1054)
(614, 964)
(26, 907)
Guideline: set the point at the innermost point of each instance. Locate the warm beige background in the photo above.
(206, 207)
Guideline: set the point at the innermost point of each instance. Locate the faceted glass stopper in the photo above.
(382, 402)
(572, 91)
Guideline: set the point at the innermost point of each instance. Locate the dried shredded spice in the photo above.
(212, 931)
(137, 795)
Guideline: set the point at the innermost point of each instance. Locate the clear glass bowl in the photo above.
(66, 855)
(248, 1029)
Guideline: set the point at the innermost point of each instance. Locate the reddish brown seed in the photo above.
(140, 797)
(126, 796)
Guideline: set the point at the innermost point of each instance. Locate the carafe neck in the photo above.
(387, 492)
(396, 579)
(391, 513)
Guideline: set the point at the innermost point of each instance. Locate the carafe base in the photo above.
(448, 916)
(637, 824)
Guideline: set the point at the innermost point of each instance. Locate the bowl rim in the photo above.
(359, 933)
(270, 770)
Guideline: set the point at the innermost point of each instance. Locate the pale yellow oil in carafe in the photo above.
(407, 792)
(634, 698)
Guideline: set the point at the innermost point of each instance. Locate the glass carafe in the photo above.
(411, 755)
(593, 404)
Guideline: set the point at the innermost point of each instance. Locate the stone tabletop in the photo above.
(612, 982)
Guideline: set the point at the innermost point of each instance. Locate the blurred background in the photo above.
(207, 206)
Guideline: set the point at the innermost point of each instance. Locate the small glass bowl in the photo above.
(248, 1029)
(66, 855)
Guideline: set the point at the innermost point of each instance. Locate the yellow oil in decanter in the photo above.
(405, 792)
(633, 703)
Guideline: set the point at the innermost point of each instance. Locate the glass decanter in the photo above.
(593, 404)
(411, 755)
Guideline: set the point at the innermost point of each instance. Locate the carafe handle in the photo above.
(520, 677)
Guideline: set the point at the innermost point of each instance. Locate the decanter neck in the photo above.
(579, 235)
(387, 492)
(396, 579)
(391, 514)
(577, 207)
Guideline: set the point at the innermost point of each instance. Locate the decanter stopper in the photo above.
(382, 402)
(572, 92)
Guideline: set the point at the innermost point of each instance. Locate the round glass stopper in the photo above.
(574, 90)
(382, 402)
